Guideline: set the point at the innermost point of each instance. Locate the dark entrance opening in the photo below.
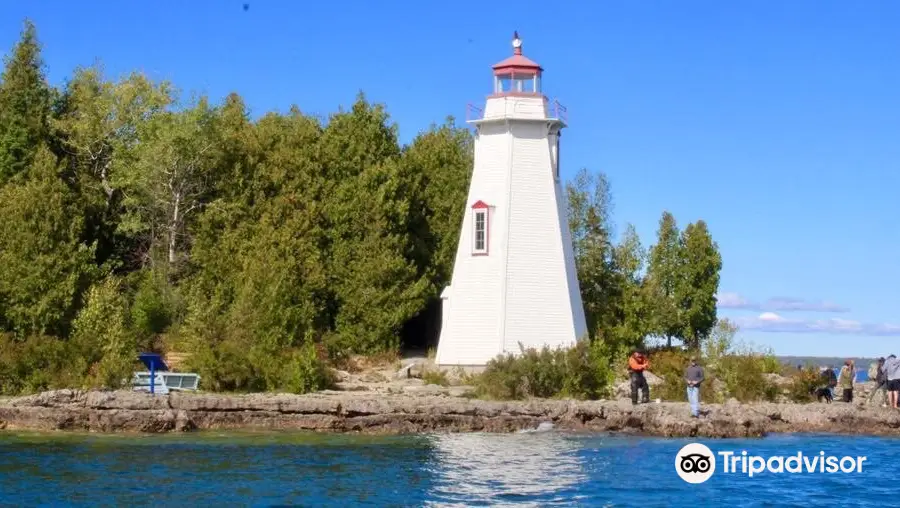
(421, 333)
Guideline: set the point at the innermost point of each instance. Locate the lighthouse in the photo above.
(514, 280)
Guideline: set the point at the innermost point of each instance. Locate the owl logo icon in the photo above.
(695, 463)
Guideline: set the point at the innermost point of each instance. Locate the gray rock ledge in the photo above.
(125, 411)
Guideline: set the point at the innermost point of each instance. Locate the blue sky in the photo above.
(776, 122)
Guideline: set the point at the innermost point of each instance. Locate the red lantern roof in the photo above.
(517, 63)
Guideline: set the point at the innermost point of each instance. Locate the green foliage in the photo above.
(744, 378)
(732, 370)
(803, 384)
(24, 105)
(155, 304)
(630, 294)
(670, 365)
(44, 264)
(443, 156)
(34, 364)
(698, 282)
(435, 377)
(577, 372)
(305, 371)
(258, 246)
(103, 339)
(589, 208)
(231, 367)
(663, 279)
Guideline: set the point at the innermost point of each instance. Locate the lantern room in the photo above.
(517, 75)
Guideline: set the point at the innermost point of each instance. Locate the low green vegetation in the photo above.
(590, 371)
(739, 376)
(435, 377)
(803, 384)
(579, 372)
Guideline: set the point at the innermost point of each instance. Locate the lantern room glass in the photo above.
(517, 83)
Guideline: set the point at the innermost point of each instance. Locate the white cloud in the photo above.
(772, 322)
(770, 317)
(730, 300)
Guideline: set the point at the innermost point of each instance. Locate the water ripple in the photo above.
(525, 469)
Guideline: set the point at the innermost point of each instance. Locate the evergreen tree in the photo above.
(443, 155)
(633, 323)
(701, 264)
(24, 105)
(369, 203)
(664, 275)
(44, 266)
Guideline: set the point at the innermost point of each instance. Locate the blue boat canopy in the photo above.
(153, 361)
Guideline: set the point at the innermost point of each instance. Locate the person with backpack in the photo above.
(876, 373)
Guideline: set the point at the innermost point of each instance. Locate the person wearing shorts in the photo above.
(892, 373)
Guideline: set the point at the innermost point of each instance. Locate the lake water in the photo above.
(524, 469)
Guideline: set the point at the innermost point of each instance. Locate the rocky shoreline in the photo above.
(125, 411)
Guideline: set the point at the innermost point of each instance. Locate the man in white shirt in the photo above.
(892, 373)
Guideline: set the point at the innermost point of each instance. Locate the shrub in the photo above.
(577, 372)
(154, 306)
(435, 377)
(745, 378)
(306, 371)
(738, 375)
(669, 364)
(803, 383)
(103, 337)
(230, 367)
(35, 364)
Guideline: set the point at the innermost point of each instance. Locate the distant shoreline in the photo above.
(340, 412)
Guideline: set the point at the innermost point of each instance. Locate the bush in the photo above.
(306, 371)
(803, 384)
(35, 364)
(103, 341)
(154, 306)
(745, 378)
(435, 377)
(577, 372)
(230, 367)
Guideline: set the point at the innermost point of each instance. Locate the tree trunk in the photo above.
(173, 229)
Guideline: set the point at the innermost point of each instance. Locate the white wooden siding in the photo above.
(526, 289)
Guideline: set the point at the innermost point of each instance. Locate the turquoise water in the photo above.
(525, 469)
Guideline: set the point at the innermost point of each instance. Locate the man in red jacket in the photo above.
(637, 364)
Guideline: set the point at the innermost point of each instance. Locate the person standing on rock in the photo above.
(892, 373)
(637, 364)
(846, 379)
(876, 373)
(693, 376)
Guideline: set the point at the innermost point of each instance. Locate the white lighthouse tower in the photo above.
(514, 278)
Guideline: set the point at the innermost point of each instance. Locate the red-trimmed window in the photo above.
(480, 228)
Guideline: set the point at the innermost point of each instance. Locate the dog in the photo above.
(823, 393)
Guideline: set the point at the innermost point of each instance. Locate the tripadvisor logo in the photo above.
(696, 463)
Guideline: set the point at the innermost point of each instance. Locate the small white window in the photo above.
(480, 231)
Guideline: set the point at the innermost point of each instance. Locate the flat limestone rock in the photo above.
(424, 408)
